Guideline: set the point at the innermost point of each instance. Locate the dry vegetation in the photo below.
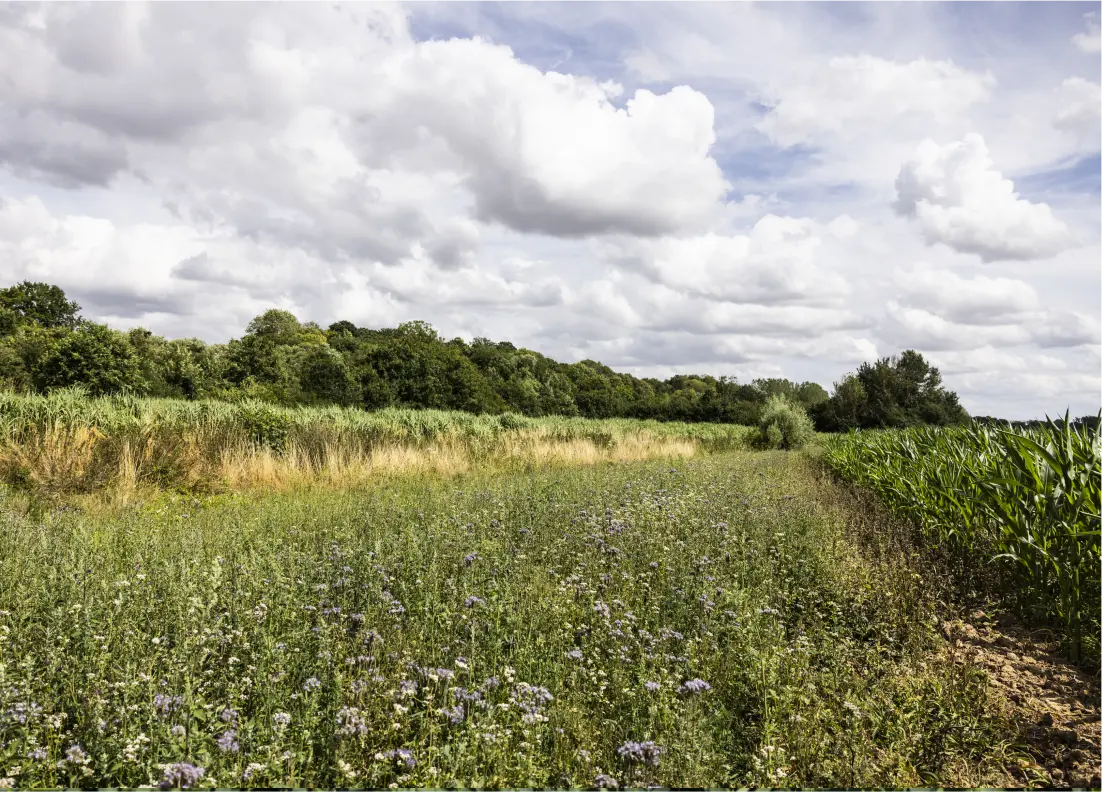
(68, 443)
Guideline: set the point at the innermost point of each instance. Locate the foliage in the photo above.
(35, 303)
(785, 425)
(702, 626)
(1027, 501)
(286, 362)
(892, 392)
(93, 356)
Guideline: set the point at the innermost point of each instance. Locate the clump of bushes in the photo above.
(784, 424)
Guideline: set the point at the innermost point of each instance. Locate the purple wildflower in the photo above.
(641, 752)
(471, 602)
(281, 720)
(182, 775)
(396, 608)
(313, 683)
(350, 721)
(603, 781)
(228, 741)
(695, 686)
(229, 715)
(531, 699)
(166, 705)
(38, 754)
(403, 755)
(408, 686)
(454, 714)
(652, 686)
(470, 558)
(19, 712)
(76, 755)
(575, 654)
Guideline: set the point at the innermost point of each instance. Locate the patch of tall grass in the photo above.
(69, 442)
(1025, 501)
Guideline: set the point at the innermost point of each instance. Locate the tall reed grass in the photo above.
(1025, 501)
(69, 442)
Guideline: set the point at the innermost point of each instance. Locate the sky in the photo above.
(739, 189)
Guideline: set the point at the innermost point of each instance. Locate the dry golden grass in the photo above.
(58, 460)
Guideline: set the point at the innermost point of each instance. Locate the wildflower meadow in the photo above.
(696, 623)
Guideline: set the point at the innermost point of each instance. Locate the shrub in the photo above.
(784, 424)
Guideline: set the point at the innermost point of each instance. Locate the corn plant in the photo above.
(1026, 500)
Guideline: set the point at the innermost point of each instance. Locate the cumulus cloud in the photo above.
(334, 132)
(1091, 41)
(979, 300)
(776, 262)
(918, 328)
(938, 309)
(1066, 330)
(547, 152)
(960, 200)
(856, 90)
(1082, 108)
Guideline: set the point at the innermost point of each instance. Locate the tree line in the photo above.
(45, 344)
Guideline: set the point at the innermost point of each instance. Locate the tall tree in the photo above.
(40, 304)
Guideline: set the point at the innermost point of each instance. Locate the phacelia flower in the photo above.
(182, 775)
(228, 741)
(695, 686)
(641, 752)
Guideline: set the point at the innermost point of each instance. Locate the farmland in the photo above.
(505, 632)
(1027, 503)
(676, 611)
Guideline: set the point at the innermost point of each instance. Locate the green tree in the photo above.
(326, 379)
(40, 304)
(92, 355)
(890, 392)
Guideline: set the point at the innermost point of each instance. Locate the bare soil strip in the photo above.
(1055, 704)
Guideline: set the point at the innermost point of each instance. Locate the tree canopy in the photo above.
(44, 344)
(890, 392)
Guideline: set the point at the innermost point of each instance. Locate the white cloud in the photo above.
(547, 152)
(776, 262)
(960, 200)
(921, 329)
(1082, 109)
(979, 300)
(1091, 41)
(1061, 329)
(854, 91)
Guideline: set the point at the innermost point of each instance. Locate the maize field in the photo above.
(1025, 501)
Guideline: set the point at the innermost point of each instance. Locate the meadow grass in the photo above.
(698, 623)
(69, 443)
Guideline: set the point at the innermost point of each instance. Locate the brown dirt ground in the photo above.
(1055, 705)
